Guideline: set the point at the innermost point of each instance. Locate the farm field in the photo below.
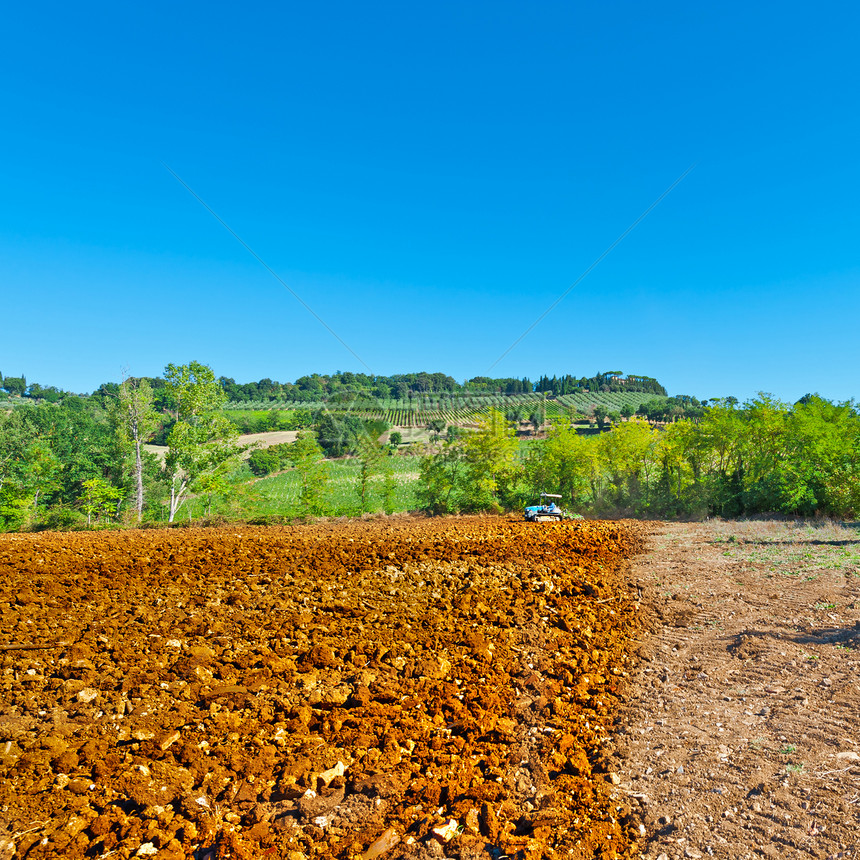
(337, 690)
(460, 410)
(278, 495)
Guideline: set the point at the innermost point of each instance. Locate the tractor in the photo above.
(548, 509)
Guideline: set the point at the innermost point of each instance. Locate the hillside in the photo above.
(453, 409)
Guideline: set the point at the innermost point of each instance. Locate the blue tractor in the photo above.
(547, 510)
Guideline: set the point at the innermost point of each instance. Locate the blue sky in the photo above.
(429, 178)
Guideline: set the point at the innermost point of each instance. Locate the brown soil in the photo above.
(404, 687)
(348, 690)
(742, 737)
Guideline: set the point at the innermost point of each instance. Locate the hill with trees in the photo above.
(69, 460)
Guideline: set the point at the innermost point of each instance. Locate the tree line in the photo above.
(763, 456)
(84, 459)
(346, 385)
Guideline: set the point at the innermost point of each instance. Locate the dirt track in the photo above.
(446, 687)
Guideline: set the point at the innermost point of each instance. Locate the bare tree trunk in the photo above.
(138, 477)
(176, 494)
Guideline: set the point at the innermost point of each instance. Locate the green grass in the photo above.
(278, 495)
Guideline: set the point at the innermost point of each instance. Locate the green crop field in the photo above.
(278, 495)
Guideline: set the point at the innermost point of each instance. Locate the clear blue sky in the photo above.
(429, 178)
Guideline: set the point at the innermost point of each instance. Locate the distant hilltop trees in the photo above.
(343, 384)
(317, 387)
(610, 381)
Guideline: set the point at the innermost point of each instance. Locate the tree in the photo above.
(15, 385)
(201, 440)
(395, 439)
(441, 479)
(370, 454)
(436, 426)
(264, 461)
(307, 457)
(99, 499)
(338, 433)
(628, 457)
(215, 483)
(538, 417)
(563, 463)
(627, 411)
(389, 487)
(135, 420)
(514, 414)
(600, 412)
(490, 460)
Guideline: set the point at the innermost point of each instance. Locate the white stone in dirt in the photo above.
(848, 755)
(445, 832)
(146, 850)
(87, 695)
(173, 643)
(328, 775)
(7, 848)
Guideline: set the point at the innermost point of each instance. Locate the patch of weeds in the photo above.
(788, 749)
(821, 606)
(793, 767)
(811, 657)
(845, 647)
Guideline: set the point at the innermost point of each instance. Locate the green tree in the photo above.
(213, 484)
(395, 439)
(628, 456)
(389, 487)
(441, 479)
(99, 499)
(514, 414)
(538, 417)
(201, 440)
(370, 458)
(491, 472)
(307, 457)
(264, 461)
(15, 385)
(436, 426)
(563, 463)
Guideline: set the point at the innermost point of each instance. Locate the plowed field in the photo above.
(398, 688)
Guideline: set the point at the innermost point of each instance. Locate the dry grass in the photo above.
(791, 547)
